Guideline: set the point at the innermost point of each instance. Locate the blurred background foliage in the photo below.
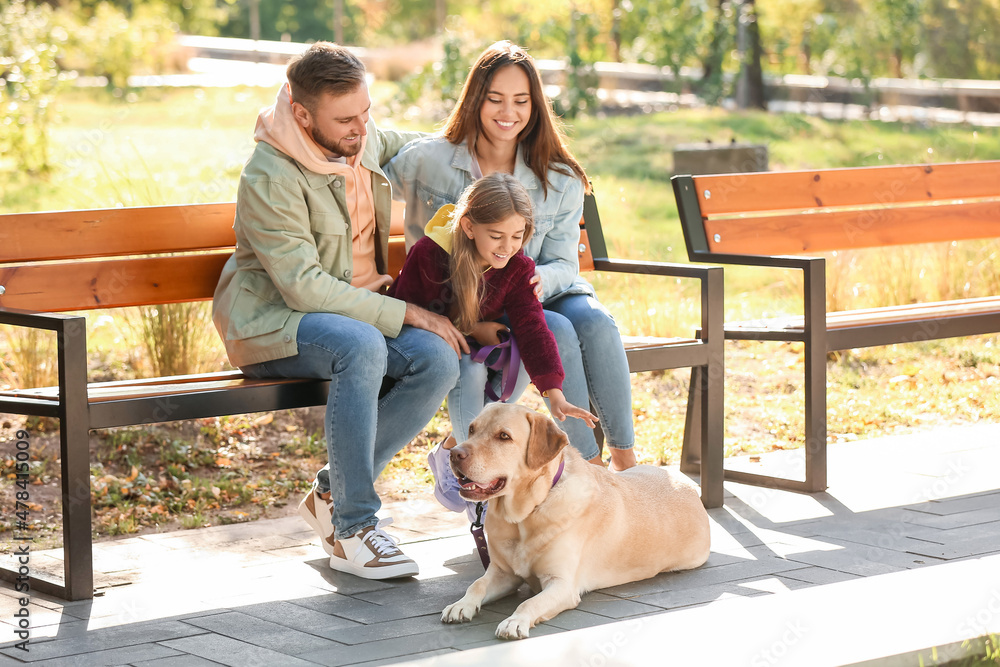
(708, 45)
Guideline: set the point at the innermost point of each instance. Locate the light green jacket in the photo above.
(293, 253)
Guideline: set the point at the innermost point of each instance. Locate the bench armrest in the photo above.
(776, 261)
(71, 354)
(652, 268)
(37, 320)
(712, 288)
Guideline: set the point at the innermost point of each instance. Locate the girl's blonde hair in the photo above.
(489, 200)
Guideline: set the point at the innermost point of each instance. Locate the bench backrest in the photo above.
(61, 261)
(799, 212)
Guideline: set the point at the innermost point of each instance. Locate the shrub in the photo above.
(30, 43)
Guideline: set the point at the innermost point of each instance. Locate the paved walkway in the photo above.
(901, 554)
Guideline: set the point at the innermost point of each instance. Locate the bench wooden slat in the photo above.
(820, 231)
(641, 342)
(844, 319)
(801, 190)
(150, 387)
(111, 283)
(52, 235)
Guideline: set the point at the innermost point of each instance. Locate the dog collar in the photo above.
(562, 464)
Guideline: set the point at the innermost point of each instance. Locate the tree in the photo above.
(750, 85)
(30, 43)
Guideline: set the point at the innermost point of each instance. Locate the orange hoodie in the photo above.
(277, 126)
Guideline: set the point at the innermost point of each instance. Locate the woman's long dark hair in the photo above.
(543, 140)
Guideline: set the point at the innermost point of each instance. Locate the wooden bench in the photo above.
(55, 262)
(784, 219)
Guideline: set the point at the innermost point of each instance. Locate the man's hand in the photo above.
(439, 324)
(561, 408)
(536, 280)
(486, 333)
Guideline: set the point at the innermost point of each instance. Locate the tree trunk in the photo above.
(750, 85)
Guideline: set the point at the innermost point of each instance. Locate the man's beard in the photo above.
(337, 147)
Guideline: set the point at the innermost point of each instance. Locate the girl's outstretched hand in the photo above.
(561, 408)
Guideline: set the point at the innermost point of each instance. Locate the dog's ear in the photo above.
(545, 440)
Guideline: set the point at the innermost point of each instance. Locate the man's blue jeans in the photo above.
(363, 430)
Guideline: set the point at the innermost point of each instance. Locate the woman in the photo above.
(503, 123)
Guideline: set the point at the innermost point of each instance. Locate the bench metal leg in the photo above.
(691, 449)
(74, 445)
(814, 284)
(74, 436)
(712, 445)
(815, 376)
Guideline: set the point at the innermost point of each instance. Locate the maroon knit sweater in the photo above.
(424, 281)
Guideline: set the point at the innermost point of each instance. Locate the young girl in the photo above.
(469, 265)
(502, 123)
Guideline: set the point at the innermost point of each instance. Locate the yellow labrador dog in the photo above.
(590, 529)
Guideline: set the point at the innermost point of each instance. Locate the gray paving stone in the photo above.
(951, 535)
(613, 607)
(892, 537)
(861, 559)
(110, 638)
(280, 638)
(296, 616)
(403, 658)
(64, 630)
(235, 653)
(955, 520)
(976, 546)
(183, 660)
(575, 619)
(423, 596)
(109, 657)
(817, 575)
(353, 609)
(441, 637)
(347, 584)
(743, 569)
(686, 597)
(430, 623)
(947, 506)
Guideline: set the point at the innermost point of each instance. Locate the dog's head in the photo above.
(507, 447)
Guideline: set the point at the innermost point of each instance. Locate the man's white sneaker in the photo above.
(317, 510)
(372, 554)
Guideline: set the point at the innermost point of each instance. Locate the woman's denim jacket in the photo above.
(431, 172)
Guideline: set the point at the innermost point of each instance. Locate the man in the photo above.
(302, 296)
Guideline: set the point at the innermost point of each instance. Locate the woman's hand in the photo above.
(486, 333)
(561, 408)
(536, 280)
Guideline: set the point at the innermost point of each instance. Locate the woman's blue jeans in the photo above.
(596, 369)
(366, 426)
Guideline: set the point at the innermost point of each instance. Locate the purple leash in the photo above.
(507, 362)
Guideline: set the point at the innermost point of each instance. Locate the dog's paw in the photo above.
(460, 612)
(513, 628)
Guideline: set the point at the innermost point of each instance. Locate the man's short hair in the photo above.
(324, 67)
